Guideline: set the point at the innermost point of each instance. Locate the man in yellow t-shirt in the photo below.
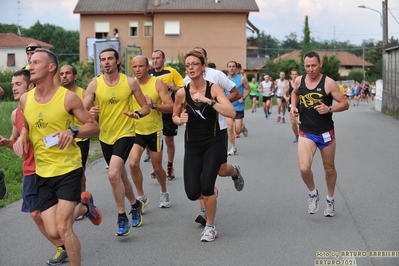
(109, 98)
(49, 111)
(149, 129)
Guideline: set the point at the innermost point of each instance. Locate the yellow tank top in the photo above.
(44, 120)
(113, 101)
(76, 122)
(152, 122)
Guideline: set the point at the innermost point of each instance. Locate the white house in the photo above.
(12, 50)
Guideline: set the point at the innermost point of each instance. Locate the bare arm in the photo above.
(167, 104)
(14, 133)
(138, 94)
(244, 82)
(23, 139)
(178, 108)
(295, 97)
(286, 91)
(89, 97)
(234, 95)
(90, 128)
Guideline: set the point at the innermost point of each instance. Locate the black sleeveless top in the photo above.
(203, 121)
(311, 121)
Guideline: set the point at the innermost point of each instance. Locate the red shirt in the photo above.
(28, 166)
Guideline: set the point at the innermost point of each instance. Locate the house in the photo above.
(12, 50)
(348, 61)
(173, 26)
(390, 94)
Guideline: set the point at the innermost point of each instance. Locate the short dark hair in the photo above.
(212, 65)
(238, 65)
(74, 71)
(163, 54)
(231, 62)
(311, 54)
(23, 72)
(116, 54)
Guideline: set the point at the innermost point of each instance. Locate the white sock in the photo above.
(313, 193)
(330, 199)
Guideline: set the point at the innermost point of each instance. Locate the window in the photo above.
(101, 29)
(133, 26)
(10, 60)
(348, 67)
(148, 28)
(172, 28)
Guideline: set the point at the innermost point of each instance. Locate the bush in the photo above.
(5, 83)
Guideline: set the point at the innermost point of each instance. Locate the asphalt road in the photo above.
(265, 224)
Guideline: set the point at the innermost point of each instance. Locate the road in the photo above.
(265, 224)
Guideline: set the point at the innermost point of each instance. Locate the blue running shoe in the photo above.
(137, 217)
(123, 227)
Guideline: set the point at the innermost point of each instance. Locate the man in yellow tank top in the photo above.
(110, 99)
(69, 75)
(49, 111)
(149, 129)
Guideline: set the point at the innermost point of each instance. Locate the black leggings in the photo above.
(201, 166)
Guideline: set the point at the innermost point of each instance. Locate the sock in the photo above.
(170, 164)
(120, 215)
(163, 193)
(313, 193)
(136, 205)
(330, 199)
(210, 225)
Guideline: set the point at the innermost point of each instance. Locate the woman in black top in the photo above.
(198, 105)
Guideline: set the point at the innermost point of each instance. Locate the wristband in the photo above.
(139, 113)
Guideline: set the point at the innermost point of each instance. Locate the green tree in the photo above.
(331, 67)
(306, 47)
(291, 41)
(356, 75)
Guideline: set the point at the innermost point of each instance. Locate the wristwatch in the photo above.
(75, 130)
(213, 102)
(329, 109)
(154, 106)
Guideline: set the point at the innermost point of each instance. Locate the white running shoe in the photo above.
(209, 234)
(233, 151)
(313, 203)
(329, 211)
(164, 200)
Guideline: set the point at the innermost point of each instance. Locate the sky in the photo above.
(339, 20)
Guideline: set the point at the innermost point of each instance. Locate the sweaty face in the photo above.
(39, 66)
(232, 68)
(194, 67)
(108, 62)
(67, 76)
(140, 68)
(312, 66)
(157, 60)
(19, 86)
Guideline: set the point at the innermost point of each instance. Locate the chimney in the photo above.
(157, 4)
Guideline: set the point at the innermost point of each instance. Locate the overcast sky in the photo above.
(338, 20)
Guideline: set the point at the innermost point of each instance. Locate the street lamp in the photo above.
(381, 20)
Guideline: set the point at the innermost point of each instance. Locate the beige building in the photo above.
(174, 26)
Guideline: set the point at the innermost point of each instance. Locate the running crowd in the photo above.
(55, 119)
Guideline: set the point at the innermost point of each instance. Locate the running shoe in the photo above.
(164, 200)
(94, 214)
(201, 218)
(137, 214)
(170, 173)
(296, 139)
(237, 135)
(3, 186)
(238, 180)
(278, 119)
(233, 151)
(153, 175)
(313, 203)
(266, 116)
(245, 131)
(283, 119)
(147, 157)
(329, 211)
(209, 234)
(144, 200)
(123, 227)
(59, 257)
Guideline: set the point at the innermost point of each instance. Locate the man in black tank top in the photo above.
(315, 93)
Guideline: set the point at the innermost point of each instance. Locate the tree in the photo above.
(291, 41)
(331, 67)
(355, 75)
(306, 47)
